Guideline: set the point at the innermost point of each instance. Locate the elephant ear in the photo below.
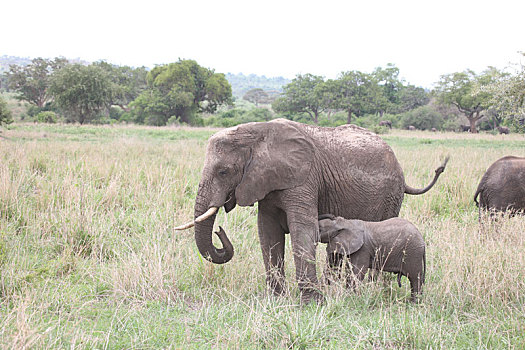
(281, 158)
(350, 239)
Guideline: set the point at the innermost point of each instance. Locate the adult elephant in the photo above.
(386, 123)
(295, 172)
(502, 187)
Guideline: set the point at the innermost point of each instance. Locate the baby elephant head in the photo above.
(343, 236)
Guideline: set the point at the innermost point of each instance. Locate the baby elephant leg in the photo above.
(358, 265)
(333, 268)
(416, 283)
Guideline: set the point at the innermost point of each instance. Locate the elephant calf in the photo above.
(393, 245)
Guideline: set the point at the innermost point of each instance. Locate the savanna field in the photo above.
(89, 257)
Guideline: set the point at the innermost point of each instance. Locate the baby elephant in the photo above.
(393, 245)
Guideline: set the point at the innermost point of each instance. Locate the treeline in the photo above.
(186, 93)
(242, 83)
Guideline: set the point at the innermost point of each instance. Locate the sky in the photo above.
(424, 39)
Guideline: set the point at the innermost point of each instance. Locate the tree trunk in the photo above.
(349, 117)
(473, 125)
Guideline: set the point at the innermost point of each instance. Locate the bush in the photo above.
(423, 118)
(46, 117)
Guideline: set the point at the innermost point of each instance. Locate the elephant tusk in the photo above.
(207, 214)
(203, 217)
(185, 226)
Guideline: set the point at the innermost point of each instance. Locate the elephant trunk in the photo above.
(203, 234)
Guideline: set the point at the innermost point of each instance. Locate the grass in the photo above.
(89, 258)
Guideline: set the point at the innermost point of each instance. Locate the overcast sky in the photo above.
(424, 39)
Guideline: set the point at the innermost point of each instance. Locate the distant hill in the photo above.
(242, 83)
(5, 61)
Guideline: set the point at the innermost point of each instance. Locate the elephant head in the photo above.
(343, 237)
(242, 165)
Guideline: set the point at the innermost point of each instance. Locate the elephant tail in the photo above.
(399, 279)
(478, 191)
(416, 191)
(424, 268)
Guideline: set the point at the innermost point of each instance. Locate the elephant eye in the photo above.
(223, 172)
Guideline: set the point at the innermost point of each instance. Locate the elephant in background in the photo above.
(465, 128)
(502, 187)
(503, 130)
(386, 123)
(295, 172)
(394, 245)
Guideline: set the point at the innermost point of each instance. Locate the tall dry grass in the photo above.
(89, 257)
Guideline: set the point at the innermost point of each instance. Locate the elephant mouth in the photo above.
(230, 203)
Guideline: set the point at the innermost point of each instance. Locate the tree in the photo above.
(32, 81)
(182, 90)
(390, 86)
(411, 97)
(423, 118)
(304, 94)
(128, 83)
(358, 93)
(459, 88)
(507, 97)
(82, 91)
(6, 116)
(256, 96)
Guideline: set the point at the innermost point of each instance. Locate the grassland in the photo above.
(89, 258)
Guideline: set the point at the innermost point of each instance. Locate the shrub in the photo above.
(46, 117)
(423, 118)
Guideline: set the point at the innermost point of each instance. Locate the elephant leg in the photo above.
(304, 232)
(272, 240)
(358, 265)
(415, 285)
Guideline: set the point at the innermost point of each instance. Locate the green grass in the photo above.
(89, 258)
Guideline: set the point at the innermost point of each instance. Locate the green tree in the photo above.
(304, 94)
(507, 97)
(358, 94)
(128, 83)
(256, 96)
(423, 118)
(391, 86)
(82, 92)
(182, 89)
(411, 97)
(32, 81)
(6, 116)
(459, 89)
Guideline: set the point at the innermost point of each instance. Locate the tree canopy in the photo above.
(180, 90)
(82, 91)
(304, 94)
(459, 88)
(32, 81)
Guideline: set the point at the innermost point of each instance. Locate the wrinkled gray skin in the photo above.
(393, 245)
(296, 171)
(502, 187)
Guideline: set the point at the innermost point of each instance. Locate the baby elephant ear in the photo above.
(351, 238)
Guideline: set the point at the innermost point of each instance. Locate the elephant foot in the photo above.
(276, 286)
